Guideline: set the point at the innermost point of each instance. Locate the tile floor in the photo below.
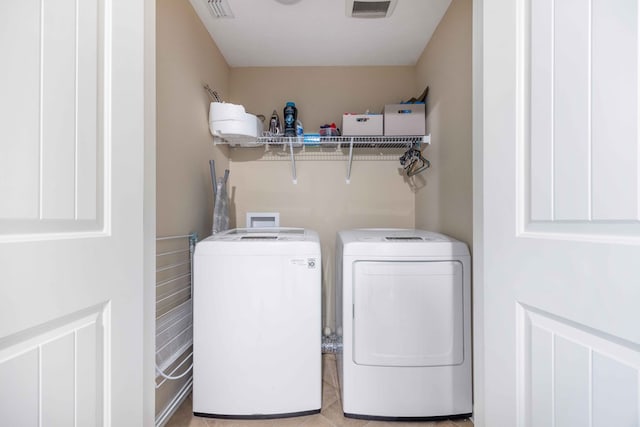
(329, 416)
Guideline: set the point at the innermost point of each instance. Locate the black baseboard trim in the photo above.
(258, 416)
(407, 419)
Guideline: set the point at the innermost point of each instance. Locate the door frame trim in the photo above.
(478, 214)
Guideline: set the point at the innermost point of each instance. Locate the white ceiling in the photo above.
(266, 33)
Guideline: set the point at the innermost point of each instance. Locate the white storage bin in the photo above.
(404, 119)
(232, 123)
(361, 124)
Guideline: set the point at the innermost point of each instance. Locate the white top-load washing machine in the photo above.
(257, 324)
(403, 310)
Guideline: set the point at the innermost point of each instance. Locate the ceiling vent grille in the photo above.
(370, 8)
(220, 8)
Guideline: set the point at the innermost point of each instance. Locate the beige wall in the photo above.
(377, 196)
(321, 94)
(444, 201)
(187, 58)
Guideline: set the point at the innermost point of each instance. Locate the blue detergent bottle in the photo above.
(290, 117)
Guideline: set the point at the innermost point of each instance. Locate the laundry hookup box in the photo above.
(404, 119)
(361, 124)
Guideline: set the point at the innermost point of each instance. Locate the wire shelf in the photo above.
(346, 142)
(347, 148)
(329, 141)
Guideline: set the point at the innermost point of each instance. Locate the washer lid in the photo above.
(265, 234)
(260, 241)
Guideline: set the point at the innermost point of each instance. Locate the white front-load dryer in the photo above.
(257, 324)
(403, 309)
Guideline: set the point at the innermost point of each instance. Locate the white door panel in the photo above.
(560, 221)
(54, 141)
(56, 372)
(593, 377)
(19, 159)
(570, 133)
(583, 110)
(615, 167)
(71, 209)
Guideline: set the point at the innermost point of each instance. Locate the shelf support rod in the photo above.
(293, 162)
(350, 161)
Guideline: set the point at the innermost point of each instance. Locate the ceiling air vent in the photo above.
(370, 8)
(220, 8)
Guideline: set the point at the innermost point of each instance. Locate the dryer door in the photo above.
(407, 313)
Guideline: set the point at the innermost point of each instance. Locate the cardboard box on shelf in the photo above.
(404, 119)
(361, 124)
